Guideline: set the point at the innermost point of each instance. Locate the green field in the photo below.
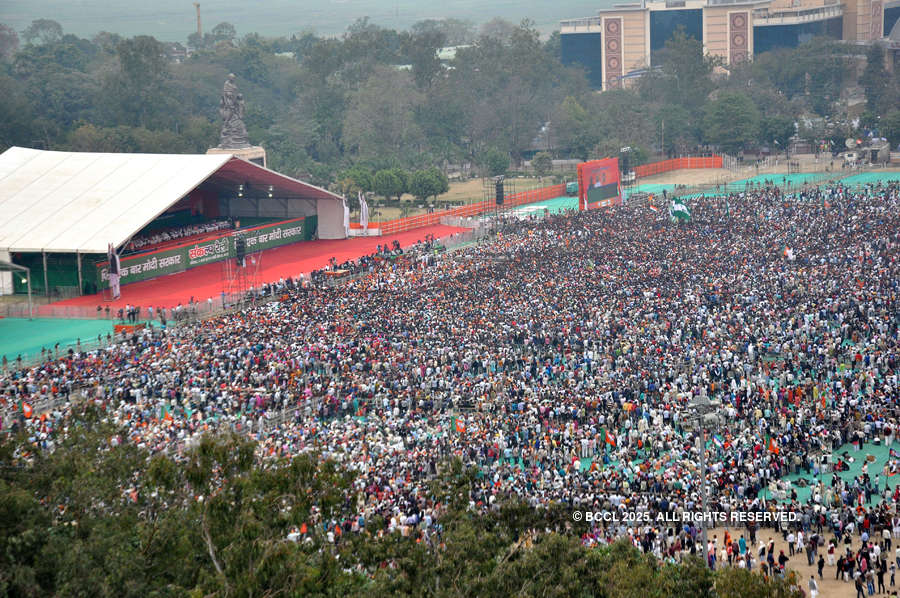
(554, 206)
(19, 336)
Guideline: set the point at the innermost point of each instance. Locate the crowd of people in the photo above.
(562, 359)
(157, 237)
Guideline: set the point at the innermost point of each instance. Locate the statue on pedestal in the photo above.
(231, 109)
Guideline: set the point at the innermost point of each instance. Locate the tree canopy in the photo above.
(383, 99)
(103, 518)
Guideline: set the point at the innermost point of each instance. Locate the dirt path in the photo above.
(828, 586)
(775, 165)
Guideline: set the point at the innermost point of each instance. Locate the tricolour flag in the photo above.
(679, 211)
(346, 217)
(610, 439)
(788, 253)
(654, 208)
(718, 441)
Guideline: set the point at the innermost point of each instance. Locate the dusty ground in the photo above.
(469, 191)
(828, 586)
(465, 191)
(774, 165)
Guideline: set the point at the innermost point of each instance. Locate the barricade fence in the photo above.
(645, 170)
(401, 225)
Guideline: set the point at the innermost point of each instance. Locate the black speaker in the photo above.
(240, 249)
(499, 193)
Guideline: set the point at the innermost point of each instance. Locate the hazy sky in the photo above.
(174, 20)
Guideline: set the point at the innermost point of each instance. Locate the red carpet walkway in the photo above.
(206, 281)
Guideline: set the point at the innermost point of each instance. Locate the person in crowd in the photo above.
(561, 361)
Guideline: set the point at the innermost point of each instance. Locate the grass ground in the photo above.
(460, 192)
(20, 336)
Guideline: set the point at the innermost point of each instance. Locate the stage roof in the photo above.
(63, 202)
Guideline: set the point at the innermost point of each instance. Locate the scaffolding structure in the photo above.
(489, 195)
(240, 282)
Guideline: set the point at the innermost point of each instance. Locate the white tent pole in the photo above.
(30, 304)
(46, 285)
(80, 285)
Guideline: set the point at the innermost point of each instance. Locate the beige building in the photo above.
(619, 44)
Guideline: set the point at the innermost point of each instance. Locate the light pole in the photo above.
(705, 412)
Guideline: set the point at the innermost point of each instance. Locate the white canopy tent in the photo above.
(79, 202)
(76, 202)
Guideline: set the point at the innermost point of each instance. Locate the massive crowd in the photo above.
(559, 358)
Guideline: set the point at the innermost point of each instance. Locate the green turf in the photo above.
(792, 180)
(20, 336)
(554, 206)
(880, 453)
(654, 188)
(871, 177)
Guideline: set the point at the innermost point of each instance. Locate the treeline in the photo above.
(101, 517)
(382, 99)
(374, 97)
(393, 182)
(689, 100)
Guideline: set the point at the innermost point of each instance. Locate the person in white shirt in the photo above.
(813, 587)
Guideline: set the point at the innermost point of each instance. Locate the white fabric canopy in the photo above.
(66, 202)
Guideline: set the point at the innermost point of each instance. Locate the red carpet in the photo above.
(206, 281)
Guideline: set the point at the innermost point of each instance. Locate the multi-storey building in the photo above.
(621, 42)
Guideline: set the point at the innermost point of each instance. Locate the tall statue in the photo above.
(231, 109)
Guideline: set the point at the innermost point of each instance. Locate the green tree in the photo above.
(455, 31)
(106, 41)
(421, 51)
(403, 176)
(223, 32)
(494, 162)
(427, 183)
(684, 77)
(387, 184)
(379, 121)
(42, 31)
(812, 130)
(574, 128)
(731, 121)
(9, 42)
(777, 130)
(498, 29)
(542, 163)
(890, 127)
(677, 129)
(732, 582)
(877, 82)
(354, 180)
(137, 93)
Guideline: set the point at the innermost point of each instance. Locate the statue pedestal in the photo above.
(255, 154)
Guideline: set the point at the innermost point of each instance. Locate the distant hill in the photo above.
(174, 20)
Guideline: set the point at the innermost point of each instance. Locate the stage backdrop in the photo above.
(598, 184)
(145, 266)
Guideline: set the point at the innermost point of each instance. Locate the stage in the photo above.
(204, 282)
